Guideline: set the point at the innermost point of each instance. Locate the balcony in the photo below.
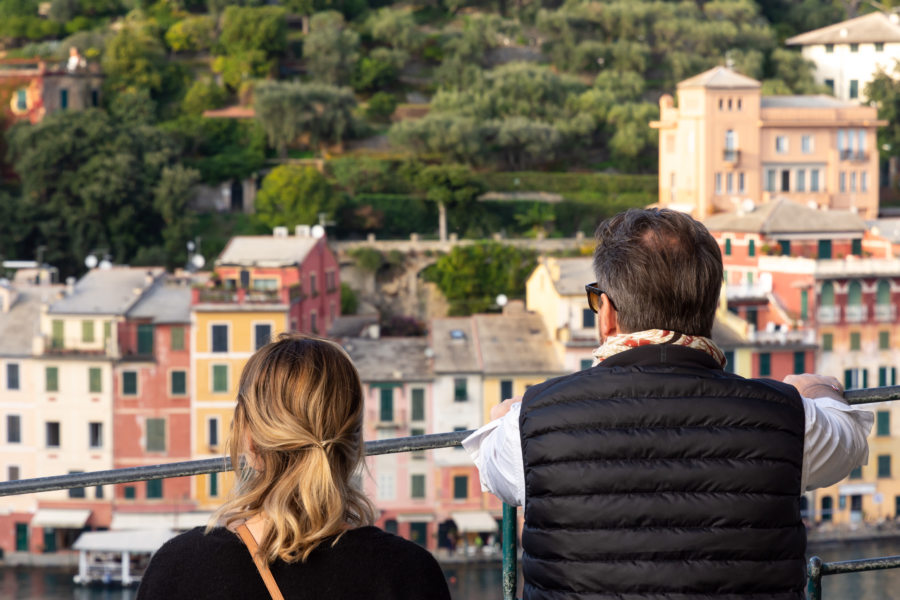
(731, 156)
(828, 314)
(854, 155)
(885, 313)
(397, 421)
(241, 296)
(49, 344)
(856, 314)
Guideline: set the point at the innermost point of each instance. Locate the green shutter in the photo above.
(854, 293)
(765, 364)
(855, 340)
(57, 341)
(145, 339)
(154, 488)
(883, 293)
(785, 247)
(213, 484)
(129, 492)
(87, 331)
(882, 377)
(884, 340)
(727, 246)
(751, 248)
(417, 486)
(129, 383)
(95, 382)
(884, 422)
(418, 404)
(386, 412)
(179, 383)
(804, 304)
(865, 374)
(799, 362)
(856, 473)
(827, 342)
(51, 376)
(460, 487)
(848, 379)
(856, 247)
(156, 435)
(107, 331)
(884, 465)
(177, 334)
(824, 248)
(460, 393)
(220, 378)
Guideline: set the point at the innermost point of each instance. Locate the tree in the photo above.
(202, 96)
(884, 92)
(330, 49)
(397, 28)
(171, 199)
(471, 277)
(381, 106)
(448, 186)
(286, 110)
(194, 34)
(249, 29)
(293, 195)
(135, 59)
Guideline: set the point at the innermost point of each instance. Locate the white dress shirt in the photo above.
(835, 443)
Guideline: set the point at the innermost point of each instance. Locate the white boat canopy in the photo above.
(475, 521)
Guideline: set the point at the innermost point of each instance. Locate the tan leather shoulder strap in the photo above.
(261, 565)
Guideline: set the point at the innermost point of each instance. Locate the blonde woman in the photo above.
(295, 510)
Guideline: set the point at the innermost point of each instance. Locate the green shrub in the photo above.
(368, 259)
(381, 106)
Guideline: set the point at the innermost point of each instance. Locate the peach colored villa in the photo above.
(725, 146)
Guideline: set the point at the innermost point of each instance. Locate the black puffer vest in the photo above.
(658, 475)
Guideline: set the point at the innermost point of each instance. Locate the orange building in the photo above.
(726, 146)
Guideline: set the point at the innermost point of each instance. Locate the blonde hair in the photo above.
(300, 403)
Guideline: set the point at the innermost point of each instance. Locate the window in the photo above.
(814, 180)
(829, 48)
(418, 404)
(721, 103)
(177, 338)
(460, 487)
(856, 247)
(107, 331)
(129, 383)
(829, 83)
(12, 376)
(220, 379)
(262, 334)
(51, 379)
(841, 141)
(863, 181)
(213, 485)
(386, 405)
(727, 246)
(854, 293)
(784, 246)
(95, 101)
(329, 282)
(739, 103)
(827, 342)
(854, 47)
(730, 104)
(51, 431)
(220, 338)
(825, 252)
(781, 144)
(265, 284)
(804, 304)
(729, 183)
(883, 420)
(64, 101)
(313, 322)
(587, 318)
(178, 385)
(130, 492)
(884, 340)
(718, 183)
(212, 431)
(785, 180)
(156, 435)
(801, 180)
(154, 489)
(854, 340)
(313, 288)
(414, 431)
(460, 393)
(145, 339)
(770, 180)
(95, 380)
(13, 473)
(853, 181)
(856, 473)
(765, 364)
(887, 376)
(842, 182)
(729, 361)
(98, 492)
(13, 429)
(77, 492)
(879, 46)
(730, 141)
(95, 435)
(799, 362)
(506, 389)
(417, 486)
(21, 100)
(741, 186)
(806, 144)
(884, 465)
(87, 331)
(751, 248)
(854, 89)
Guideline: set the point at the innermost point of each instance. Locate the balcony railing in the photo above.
(885, 313)
(856, 313)
(858, 155)
(828, 314)
(815, 571)
(731, 156)
(240, 296)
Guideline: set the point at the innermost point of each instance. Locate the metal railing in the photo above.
(816, 569)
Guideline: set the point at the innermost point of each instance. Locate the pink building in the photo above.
(726, 146)
(302, 263)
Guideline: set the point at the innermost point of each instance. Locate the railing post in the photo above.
(510, 546)
(814, 571)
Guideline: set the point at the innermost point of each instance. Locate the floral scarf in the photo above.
(627, 341)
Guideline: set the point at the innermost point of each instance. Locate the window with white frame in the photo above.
(781, 144)
(219, 334)
(12, 376)
(806, 144)
(95, 435)
(13, 429)
(800, 180)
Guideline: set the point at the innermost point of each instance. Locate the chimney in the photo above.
(302, 231)
(70, 286)
(280, 232)
(149, 278)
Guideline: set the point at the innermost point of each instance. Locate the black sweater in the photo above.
(365, 563)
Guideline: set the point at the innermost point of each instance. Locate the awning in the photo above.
(857, 489)
(415, 518)
(479, 521)
(61, 518)
(123, 541)
(173, 520)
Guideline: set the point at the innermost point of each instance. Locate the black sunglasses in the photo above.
(593, 297)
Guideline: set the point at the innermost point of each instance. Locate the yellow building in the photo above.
(227, 327)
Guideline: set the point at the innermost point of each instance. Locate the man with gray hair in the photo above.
(656, 474)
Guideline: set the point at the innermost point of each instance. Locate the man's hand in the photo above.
(503, 408)
(816, 386)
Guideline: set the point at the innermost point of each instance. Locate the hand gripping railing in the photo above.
(817, 569)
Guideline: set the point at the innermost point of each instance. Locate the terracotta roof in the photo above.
(785, 217)
(720, 77)
(873, 27)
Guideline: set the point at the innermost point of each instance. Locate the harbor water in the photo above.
(478, 581)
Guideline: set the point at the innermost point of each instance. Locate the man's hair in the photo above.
(661, 269)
